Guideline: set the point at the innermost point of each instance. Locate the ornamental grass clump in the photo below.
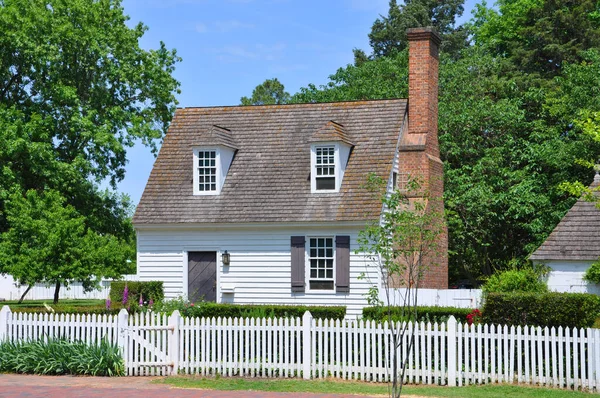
(61, 357)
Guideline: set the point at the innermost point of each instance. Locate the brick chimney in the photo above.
(419, 148)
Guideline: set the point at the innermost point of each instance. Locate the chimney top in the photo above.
(424, 33)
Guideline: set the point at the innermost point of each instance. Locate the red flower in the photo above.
(474, 317)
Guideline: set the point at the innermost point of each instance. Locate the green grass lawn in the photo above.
(361, 388)
(40, 303)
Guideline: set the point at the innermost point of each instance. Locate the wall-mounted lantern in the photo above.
(225, 258)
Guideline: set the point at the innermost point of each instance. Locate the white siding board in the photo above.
(260, 264)
(567, 276)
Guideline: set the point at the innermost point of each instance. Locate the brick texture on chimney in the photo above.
(419, 148)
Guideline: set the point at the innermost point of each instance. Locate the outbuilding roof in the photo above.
(269, 177)
(577, 236)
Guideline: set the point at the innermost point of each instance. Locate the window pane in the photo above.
(321, 258)
(321, 285)
(326, 183)
(207, 172)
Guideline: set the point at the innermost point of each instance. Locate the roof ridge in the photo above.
(296, 104)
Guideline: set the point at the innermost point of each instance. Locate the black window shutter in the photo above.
(342, 264)
(298, 253)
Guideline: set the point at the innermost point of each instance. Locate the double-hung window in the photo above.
(325, 168)
(326, 261)
(207, 171)
(320, 257)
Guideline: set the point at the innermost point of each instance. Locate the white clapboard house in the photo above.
(572, 247)
(264, 204)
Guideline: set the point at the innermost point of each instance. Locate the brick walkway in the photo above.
(26, 386)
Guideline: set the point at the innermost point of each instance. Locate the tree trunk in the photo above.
(56, 290)
(25, 294)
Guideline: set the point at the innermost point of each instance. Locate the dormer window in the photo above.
(329, 153)
(213, 154)
(325, 168)
(210, 169)
(207, 171)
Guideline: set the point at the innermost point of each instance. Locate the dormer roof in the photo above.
(269, 177)
(331, 132)
(215, 136)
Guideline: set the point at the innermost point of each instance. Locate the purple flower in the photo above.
(125, 294)
(108, 304)
(150, 303)
(141, 302)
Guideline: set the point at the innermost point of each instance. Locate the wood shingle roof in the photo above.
(577, 236)
(269, 178)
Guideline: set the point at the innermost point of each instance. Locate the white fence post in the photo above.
(451, 325)
(122, 337)
(4, 314)
(174, 341)
(306, 344)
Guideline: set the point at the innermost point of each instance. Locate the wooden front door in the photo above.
(202, 276)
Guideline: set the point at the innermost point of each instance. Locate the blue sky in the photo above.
(228, 47)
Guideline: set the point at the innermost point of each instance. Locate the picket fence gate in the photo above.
(447, 353)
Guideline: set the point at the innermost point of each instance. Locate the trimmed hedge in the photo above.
(542, 309)
(433, 314)
(209, 310)
(58, 309)
(150, 290)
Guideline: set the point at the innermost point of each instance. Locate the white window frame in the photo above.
(218, 172)
(307, 266)
(336, 165)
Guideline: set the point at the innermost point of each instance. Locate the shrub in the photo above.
(425, 314)
(516, 280)
(210, 310)
(61, 357)
(149, 290)
(592, 274)
(59, 309)
(547, 309)
(474, 317)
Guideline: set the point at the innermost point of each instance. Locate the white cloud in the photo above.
(201, 28)
(237, 53)
(227, 26)
(222, 26)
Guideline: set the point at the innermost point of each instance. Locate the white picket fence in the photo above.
(445, 354)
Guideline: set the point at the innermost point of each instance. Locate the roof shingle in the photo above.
(269, 178)
(577, 236)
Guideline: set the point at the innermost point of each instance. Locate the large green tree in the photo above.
(49, 242)
(388, 34)
(76, 90)
(269, 92)
(539, 36)
(509, 139)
